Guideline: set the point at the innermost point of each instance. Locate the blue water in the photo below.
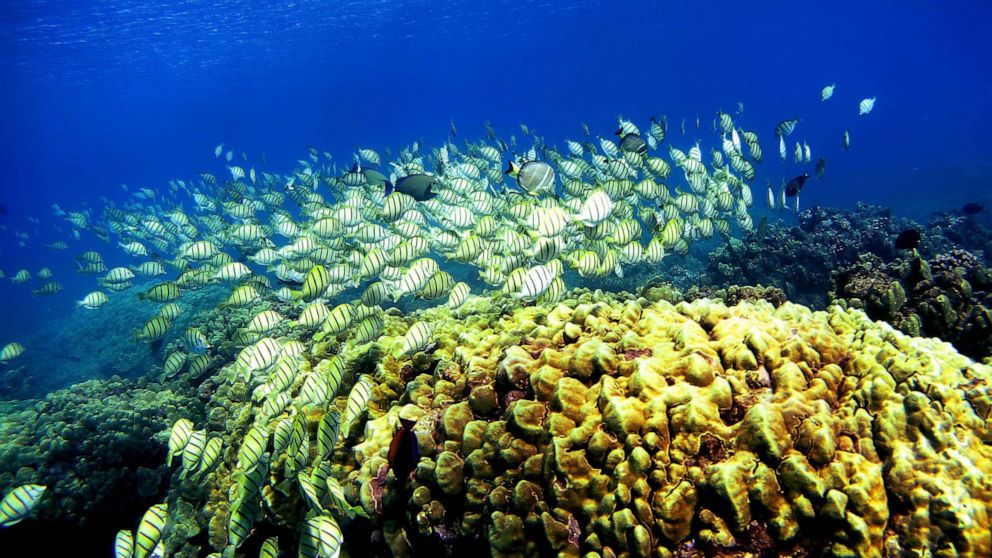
(95, 95)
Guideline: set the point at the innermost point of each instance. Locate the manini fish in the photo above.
(335, 246)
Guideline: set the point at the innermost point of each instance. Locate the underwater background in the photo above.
(98, 95)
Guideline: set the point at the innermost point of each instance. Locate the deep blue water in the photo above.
(94, 95)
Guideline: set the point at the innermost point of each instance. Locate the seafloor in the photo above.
(701, 415)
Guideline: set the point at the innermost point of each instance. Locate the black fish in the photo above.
(970, 208)
(633, 143)
(404, 450)
(3, 209)
(795, 185)
(417, 186)
(821, 166)
(908, 239)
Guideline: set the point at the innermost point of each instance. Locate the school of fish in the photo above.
(337, 244)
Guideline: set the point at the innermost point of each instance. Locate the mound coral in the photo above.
(799, 259)
(605, 426)
(97, 447)
(949, 296)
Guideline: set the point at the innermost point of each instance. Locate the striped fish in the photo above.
(19, 502)
(595, 209)
(314, 390)
(275, 405)
(154, 329)
(124, 544)
(320, 537)
(195, 341)
(264, 322)
(11, 351)
(170, 311)
(239, 523)
(416, 338)
(242, 296)
(251, 481)
(327, 432)
(270, 548)
(282, 376)
(174, 364)
(786, 127)
(211, 452)
(93, 300)
(193, 451)
(358, 401)
(232, 272)
(314, 285)
(150, 530)
(178, 438)
(535, 282)
(339, 319)
(200, 251)
(309, 491)
(199, 365)
(262, 355)
(252, 447)
(313, 315)
(281, 435)
(459, 294)
(438, 285)
(866, 105)
(367, 330)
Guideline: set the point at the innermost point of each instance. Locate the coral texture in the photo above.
(612, 427)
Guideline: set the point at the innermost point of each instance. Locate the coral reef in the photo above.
(98, 446)
(948, 231)
(615, 426)
(949, 296)
(798, 259)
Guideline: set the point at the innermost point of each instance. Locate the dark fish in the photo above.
(821, 166)
(404, 450)
(970, 208)
(795, 185)
(633, 143)
(762, 228)
(416, 185)
(585, 129)
(3, 209)
(372, 176)
(908, 239)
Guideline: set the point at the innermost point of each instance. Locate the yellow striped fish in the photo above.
(150, 530)
(416, 338)
(327, 432)
(11, 351)
(124, 544)
(270, 548)
(193, 451)
(358, 401)
(211, 452)
(314, 285)
(239, 523)
(252, 447)
(178, 438)
(19, 502)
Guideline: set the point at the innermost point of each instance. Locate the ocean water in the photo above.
(98, 96)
